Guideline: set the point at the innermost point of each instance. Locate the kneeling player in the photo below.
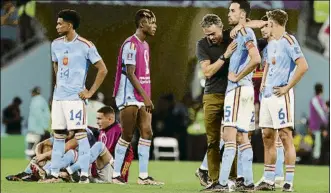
(40, 164)
(65, 160)
(102, 151)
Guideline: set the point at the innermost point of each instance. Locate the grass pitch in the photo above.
(178, 177)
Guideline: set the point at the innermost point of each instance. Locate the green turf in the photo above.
(178, 176)
(12, 146)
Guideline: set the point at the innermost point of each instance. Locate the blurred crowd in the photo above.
(20, 31)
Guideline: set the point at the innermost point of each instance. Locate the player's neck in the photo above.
(242, 21)
(279, 32)
(141, 36)
(70, 36)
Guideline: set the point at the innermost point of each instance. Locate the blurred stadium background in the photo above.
(177, 80)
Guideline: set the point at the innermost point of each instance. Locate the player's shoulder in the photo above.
(58, 40)
(202, 42)
(246, 31)
(130, 42)
(85, 42)
(288, 39)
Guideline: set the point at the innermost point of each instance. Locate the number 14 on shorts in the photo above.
(76, 116)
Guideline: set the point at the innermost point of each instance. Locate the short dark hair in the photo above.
(318, 88)
(211, 19)
(279, 16)
(106, 110)
(143, 13)
(17, 100)
(70, 16)
(264, 18)
(245, 5)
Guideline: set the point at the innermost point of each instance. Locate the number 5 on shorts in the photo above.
(227, 112)
(77, 116)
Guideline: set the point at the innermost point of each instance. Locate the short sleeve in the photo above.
(201, 52)
(93, 55)
(54, 59)
(294, 50)
(249, 37)
(129, 53)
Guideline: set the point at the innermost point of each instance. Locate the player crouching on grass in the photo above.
(40, 164)
(102, 152)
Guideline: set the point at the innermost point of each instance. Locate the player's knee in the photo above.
(268, 138)
(242, 138)
(127, 136)
(286, 137)
(213, 145)
(147, 134)
(229, 134)
(100, 147)
(239, 138)
(267, 134)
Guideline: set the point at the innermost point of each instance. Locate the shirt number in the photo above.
(64, 73)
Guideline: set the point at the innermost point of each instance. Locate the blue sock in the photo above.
(98, 149)
(83, 152)
(269, 173)
(221, 144)
(227, 160)
(240, 173)
(74, 167)
(143, 152)
(279, 162)
(204, 164)
(57, 153)
(120, 151)
(68, 159)
(28, 169)
(247, 163)
(47, 168)
(289, 174)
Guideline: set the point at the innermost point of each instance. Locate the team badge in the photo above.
(273, 61)
(65, 60)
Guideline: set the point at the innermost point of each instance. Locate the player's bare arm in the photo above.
(264, 77)
(135, 83)
(254, 54)
(251, 24)
(210, 69)
(102, 72)
(301, 69)
(40, 146)
(71, 144)
(55, 66)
